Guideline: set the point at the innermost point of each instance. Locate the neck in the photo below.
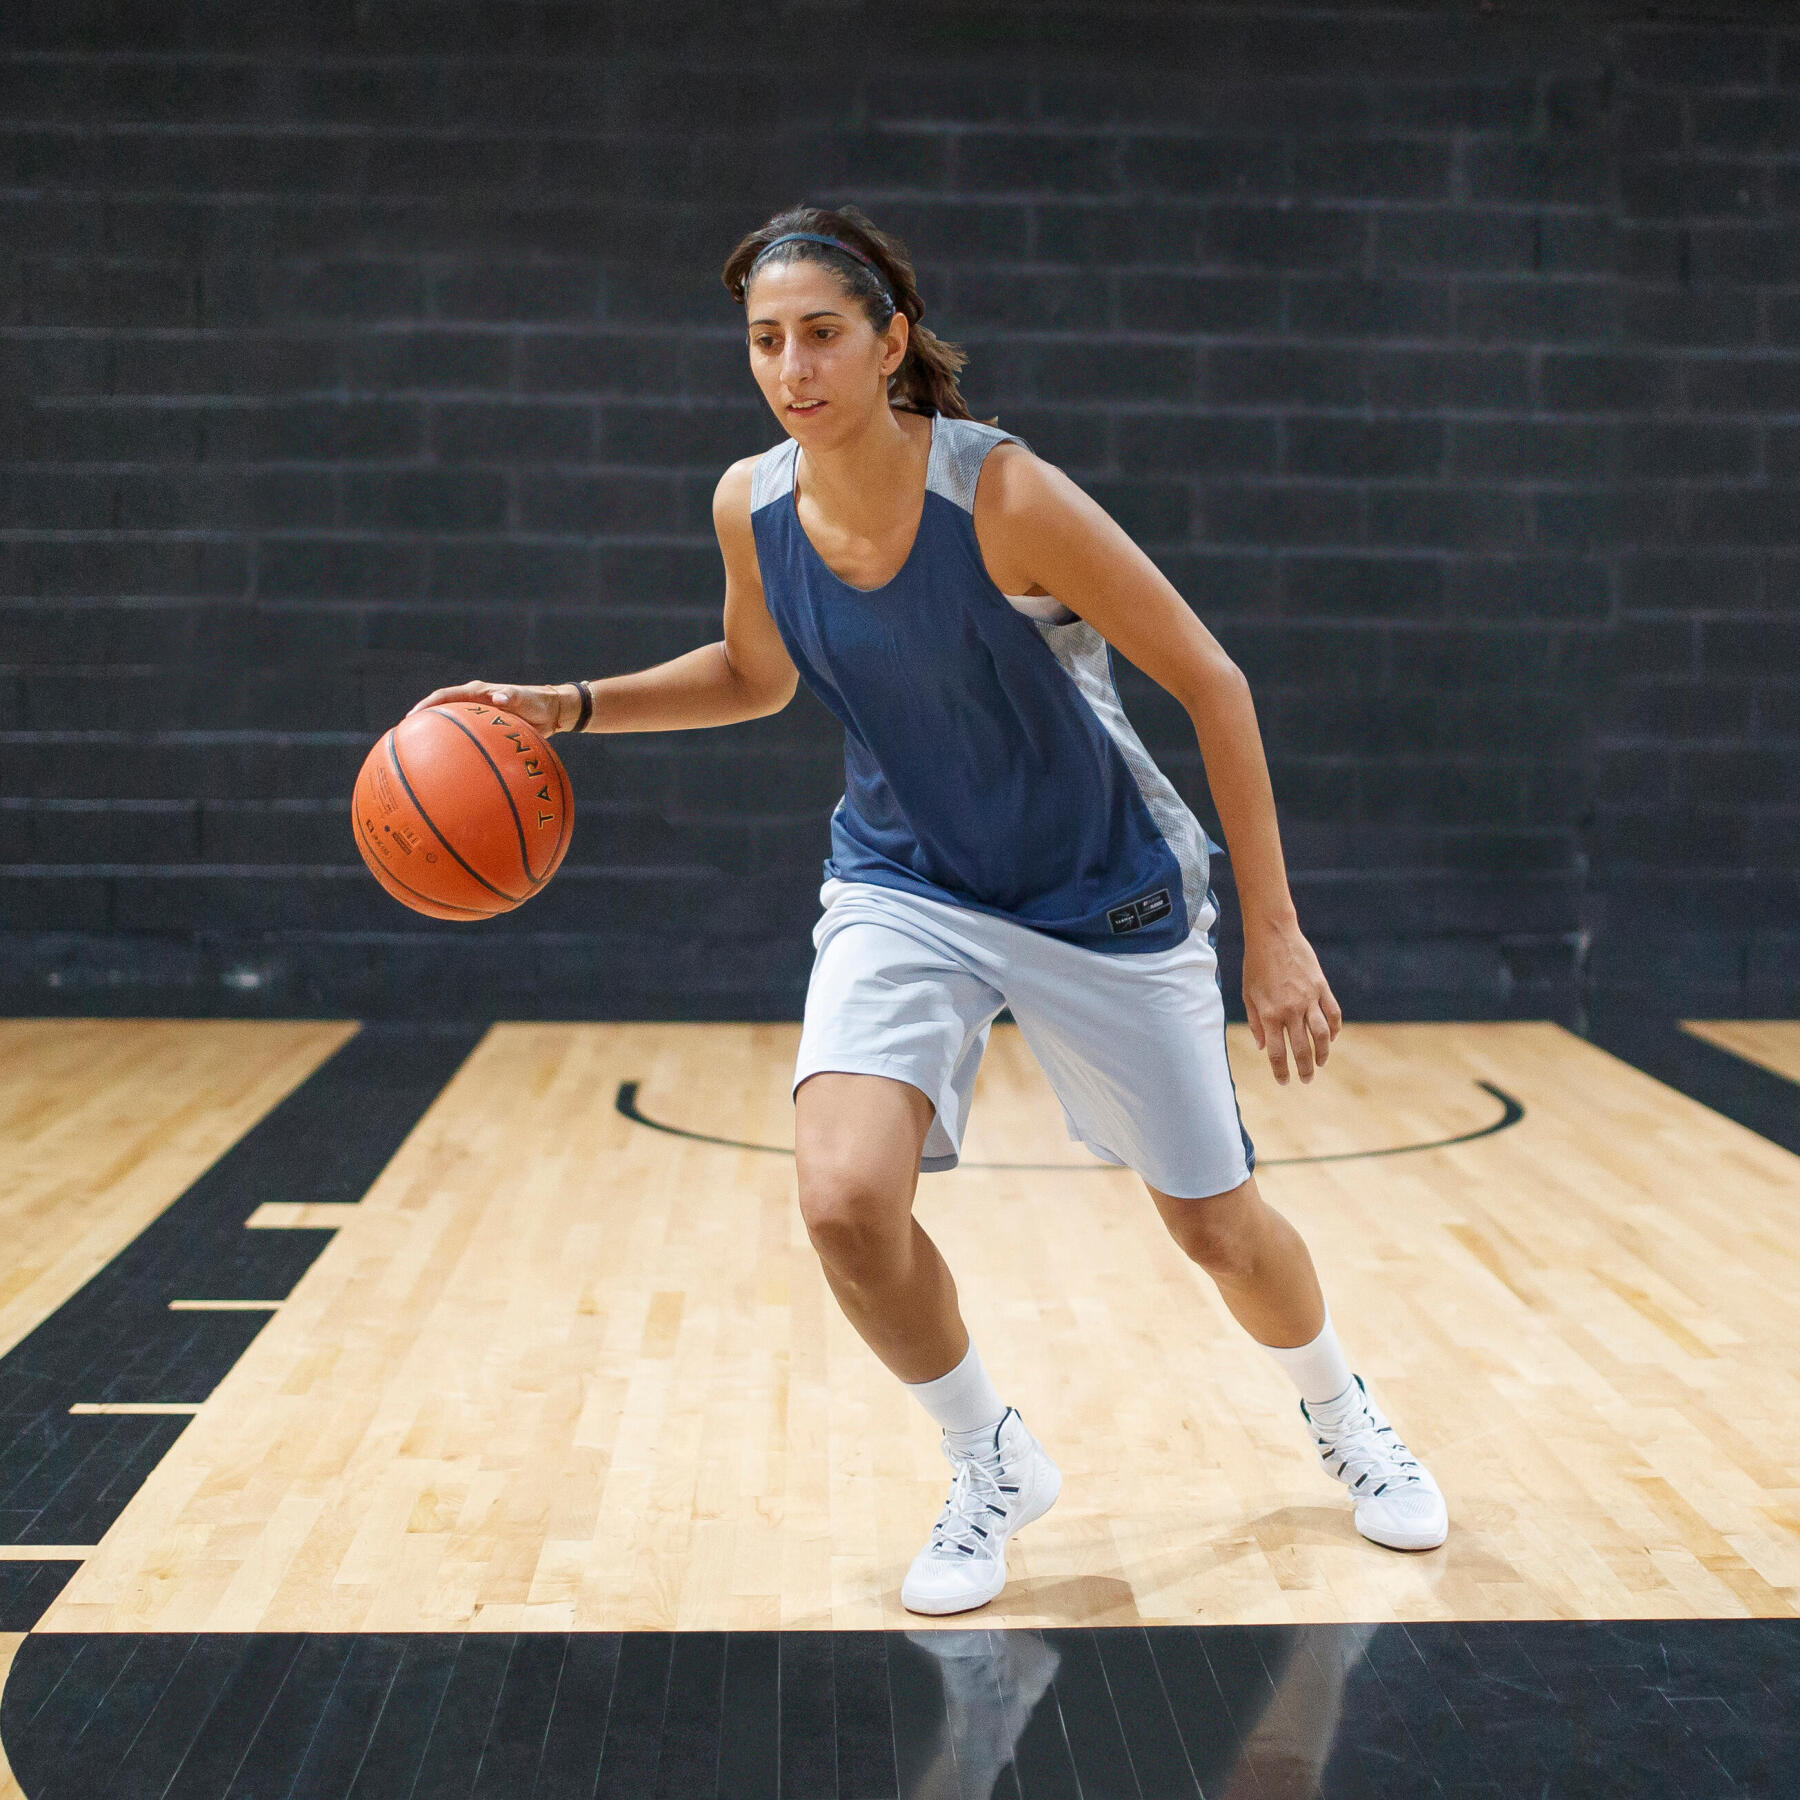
(857, 481)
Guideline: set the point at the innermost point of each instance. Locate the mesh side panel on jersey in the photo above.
(773, 475)
(1082, 652)
(958, 447)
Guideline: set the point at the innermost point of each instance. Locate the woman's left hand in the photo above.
(1288, 1000)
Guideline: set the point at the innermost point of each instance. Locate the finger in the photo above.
(1334, 1014)
(1301, 1039)
(466, 690)
(446, 696)
(1255, 1020)
(1320, 1033)
(1278, 1060)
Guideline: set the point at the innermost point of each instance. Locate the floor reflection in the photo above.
(993, 1681)
(1291, 1707)
(1167, 1712)
(1261, 1727)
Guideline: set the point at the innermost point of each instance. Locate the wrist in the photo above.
(1269, 921)
(584, 706)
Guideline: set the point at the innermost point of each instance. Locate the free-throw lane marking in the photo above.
(88, 1408)
(225, 1305)
(302, 1215)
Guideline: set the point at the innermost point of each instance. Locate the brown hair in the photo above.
(925, 381)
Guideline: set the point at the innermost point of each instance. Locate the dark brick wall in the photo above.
(1447, 357)
(1696, 835)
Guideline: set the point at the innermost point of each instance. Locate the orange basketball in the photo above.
(462, 811)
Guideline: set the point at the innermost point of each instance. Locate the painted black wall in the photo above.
(1446, 356)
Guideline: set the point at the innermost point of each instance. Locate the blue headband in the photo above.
(818, 237)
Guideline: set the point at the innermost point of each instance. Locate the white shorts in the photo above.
(1134, 1046)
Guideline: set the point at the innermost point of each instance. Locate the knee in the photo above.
(850, 1225)
(1217, 1235)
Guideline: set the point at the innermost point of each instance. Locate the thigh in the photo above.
(886, 1000)
(1135, 1049)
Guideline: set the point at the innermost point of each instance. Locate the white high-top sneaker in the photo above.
(1397, 1503)
(963, 1564)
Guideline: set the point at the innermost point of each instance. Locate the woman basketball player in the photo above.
(1004, 840)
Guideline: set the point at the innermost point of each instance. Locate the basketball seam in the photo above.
(383, 873)
(531, 881)
(450, 848)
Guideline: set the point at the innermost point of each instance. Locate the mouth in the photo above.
(803, 407)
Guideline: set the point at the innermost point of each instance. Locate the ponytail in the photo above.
(877, 272)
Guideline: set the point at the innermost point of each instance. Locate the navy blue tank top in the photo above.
(987, 760)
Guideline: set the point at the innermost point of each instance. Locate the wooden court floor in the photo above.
(561, 1370)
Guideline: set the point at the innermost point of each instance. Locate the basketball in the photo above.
(462, 811)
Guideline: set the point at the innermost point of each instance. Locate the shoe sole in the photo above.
(939, 1609)
(1398, 1542)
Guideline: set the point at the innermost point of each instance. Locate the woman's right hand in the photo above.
(545, 709)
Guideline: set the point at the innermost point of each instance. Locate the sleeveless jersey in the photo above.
(987, 760)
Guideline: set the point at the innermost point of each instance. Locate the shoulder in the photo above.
(1018, 487)
(752, 482)
(962, 453)
(732, 495)
(1029, 519)
(732, 505)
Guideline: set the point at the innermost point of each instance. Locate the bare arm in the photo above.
(745, 675)
(1038, 531)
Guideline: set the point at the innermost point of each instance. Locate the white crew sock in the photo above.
(963, 1402)
(1317, 1369)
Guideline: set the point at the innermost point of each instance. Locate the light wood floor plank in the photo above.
(300, 1215)
(105, 1121)
(560, 1370)
(1774, 1043)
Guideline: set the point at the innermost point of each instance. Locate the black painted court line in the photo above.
(625, 1102)
(1688, 1710)
(1755, 1097)
(65, 1478)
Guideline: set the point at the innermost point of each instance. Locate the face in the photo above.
(821, 365)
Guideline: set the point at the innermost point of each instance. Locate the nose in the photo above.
(796, 365)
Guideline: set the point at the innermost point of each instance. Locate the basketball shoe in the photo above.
(992, 1495)
(1397, 1503)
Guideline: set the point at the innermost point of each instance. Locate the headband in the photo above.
(818, 237)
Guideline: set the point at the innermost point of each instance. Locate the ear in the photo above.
(894, 343)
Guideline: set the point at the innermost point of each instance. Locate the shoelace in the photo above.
(981, 1498)
(1366, 1451)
